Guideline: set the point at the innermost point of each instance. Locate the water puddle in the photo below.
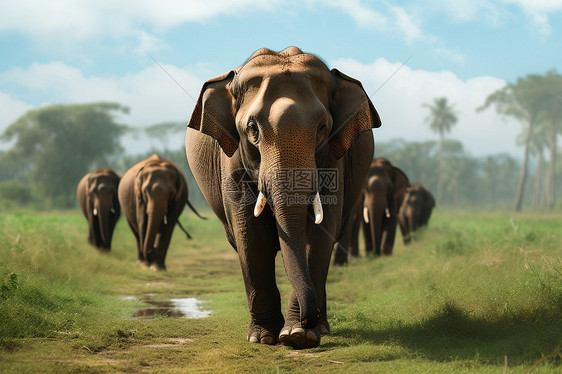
(179, 308)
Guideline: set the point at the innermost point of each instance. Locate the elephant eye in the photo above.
(253, 131)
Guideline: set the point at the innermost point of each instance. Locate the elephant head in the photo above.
(161, 194)
(286, 113)
(415, 210)
(97, 195)
(384, 190)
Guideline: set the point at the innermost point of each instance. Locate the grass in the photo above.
(474, 292)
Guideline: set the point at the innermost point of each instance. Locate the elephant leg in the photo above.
(161, 244)
(340, 257)
(367, 237)
(257, 246)
(140, 255)
(355, 239)
(388, 236)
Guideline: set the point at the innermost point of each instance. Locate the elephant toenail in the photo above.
(298, 331)
(268, 340)
(253, 339)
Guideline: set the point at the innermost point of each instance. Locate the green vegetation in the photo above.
(476, 292)
(535, 101)
(57, 145)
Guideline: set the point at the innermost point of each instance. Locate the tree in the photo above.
(521, 101)
(441, 119)
(162, 131)
(56, 145)
(552, 101)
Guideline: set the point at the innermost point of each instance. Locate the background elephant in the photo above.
(415, 210)
(348, 244)
(384, 190)
(279, 148)
(97, 196)
(153, 193)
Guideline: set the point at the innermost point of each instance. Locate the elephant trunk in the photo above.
(156, 214)
(295, 208)
(102, 210)
(292, 221)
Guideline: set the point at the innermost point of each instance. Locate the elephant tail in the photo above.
(183, 229)
(195, 211)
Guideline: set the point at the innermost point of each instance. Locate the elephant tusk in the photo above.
(165, 219)
(260, 204)
(366, 214)
(95, 211)
(387, 212)
(317, 205)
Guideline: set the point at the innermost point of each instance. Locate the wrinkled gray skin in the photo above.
(97, 196)
(152, 193)
(384, 190)
(415, 210)
(250, 131)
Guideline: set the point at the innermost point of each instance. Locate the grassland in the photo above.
(478, 292)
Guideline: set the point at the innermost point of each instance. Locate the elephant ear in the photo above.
(352, 112)
(137, 187)
(401, 183)
(214, 113)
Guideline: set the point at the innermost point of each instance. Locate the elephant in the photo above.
(97, 196)
(153, 193)
(384, 191)
(279, 147)
(348, 245)
(415, 210)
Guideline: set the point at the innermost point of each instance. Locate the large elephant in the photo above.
(384, 190)
(415, 210)
(97, 196)
(153, 193)
(279, 148)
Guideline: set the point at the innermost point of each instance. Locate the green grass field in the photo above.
(478, 292)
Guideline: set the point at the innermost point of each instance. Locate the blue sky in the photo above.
(67, 51)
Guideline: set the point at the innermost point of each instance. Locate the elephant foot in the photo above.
(294, 335)
(264, 335)
(324, 328)
(157, 267)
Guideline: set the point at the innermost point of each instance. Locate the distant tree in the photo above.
(56, 145)
(552, 102)
(162, 131)
(441, 119)
(522, 101)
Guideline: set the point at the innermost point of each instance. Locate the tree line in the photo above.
(53, 147)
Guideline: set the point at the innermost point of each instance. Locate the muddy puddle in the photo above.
(179, 308)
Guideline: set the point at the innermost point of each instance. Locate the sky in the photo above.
(154, 56)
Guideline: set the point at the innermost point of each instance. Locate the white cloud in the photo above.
(12, 109)
(537, 11)
(407, 24)
(363, 15)
(151, 94)
(400, 105)
(70, 22)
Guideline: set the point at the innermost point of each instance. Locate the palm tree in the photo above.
(524, 102)
(552, 101)
(441, 119)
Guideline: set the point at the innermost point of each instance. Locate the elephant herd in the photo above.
(387, 199)
(281, 148)
(151, 194)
